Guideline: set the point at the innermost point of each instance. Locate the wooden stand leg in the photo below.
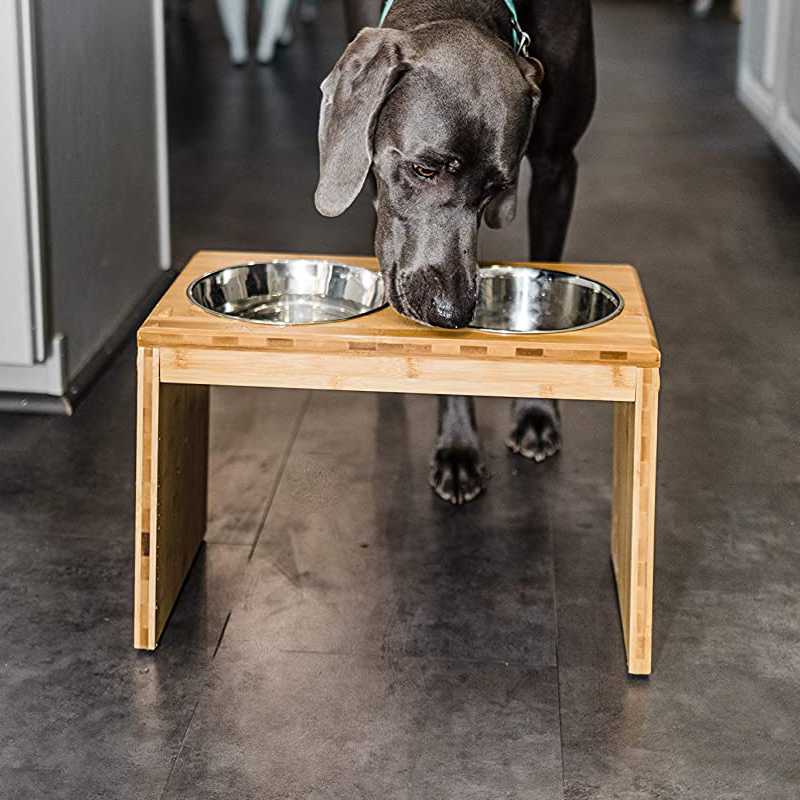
(171, 493)
(633, 517)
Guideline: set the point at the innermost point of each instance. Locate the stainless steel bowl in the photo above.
(296, 291)
(525, 300)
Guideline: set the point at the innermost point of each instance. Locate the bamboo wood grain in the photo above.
(628, 339)
(633, 517)
(375, 372)
(143, 628)
(183, 350)
(171, 496)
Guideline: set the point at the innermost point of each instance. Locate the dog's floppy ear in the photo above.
(502, 208)
(352, 96)
(533, 72)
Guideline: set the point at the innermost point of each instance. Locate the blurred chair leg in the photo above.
(702, 8)
(274, 17)
(233, 14)
(309, 10)
(287, 34)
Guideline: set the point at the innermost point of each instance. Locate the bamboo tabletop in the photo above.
(628, 339)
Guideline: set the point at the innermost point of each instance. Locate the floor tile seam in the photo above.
(297, 424)
(376, 655)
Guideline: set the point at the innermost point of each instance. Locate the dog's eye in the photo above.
(424, 172)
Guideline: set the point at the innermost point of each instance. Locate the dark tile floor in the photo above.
(346, 635)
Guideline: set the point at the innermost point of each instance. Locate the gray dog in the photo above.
(440, 102)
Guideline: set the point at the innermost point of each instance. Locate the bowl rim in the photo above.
(326, 261)
(569, 277)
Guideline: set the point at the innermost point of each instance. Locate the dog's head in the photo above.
(443, 115)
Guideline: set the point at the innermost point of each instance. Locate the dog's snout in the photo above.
(443, 313)
(431, 264)
(441, 296)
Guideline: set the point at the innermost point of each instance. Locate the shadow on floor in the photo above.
(345, 634)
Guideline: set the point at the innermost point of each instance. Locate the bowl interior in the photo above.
(525, 300)
(290, 292)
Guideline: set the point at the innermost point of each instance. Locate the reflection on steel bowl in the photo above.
(295, 291)
(527, 300)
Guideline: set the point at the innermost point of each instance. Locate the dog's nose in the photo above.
(444, 298)
(443, 313)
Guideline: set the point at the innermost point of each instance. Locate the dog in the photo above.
(441, 103)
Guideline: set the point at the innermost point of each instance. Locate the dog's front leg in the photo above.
(536, 423)
(457, 471)
(535, 428)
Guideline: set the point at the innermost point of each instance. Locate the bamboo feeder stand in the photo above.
(183, 350)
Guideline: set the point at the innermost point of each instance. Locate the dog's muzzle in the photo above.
(444, 297)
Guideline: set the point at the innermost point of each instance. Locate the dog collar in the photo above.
(522, 40)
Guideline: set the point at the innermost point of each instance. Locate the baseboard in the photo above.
(26, 403)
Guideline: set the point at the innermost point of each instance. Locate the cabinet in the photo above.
(769, 69)
(84, 206)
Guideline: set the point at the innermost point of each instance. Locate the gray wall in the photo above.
(793, 71)
(98, 127)
(769, 70)
(755, 36)
(16, 319)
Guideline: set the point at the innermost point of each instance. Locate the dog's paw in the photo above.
(457, 474)
(536, 434)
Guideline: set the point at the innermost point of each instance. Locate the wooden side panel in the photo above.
(643, 544)
(633, 517)
(171, 504)
(143, 623)
(375, 372)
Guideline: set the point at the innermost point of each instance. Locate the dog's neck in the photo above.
(490, 15)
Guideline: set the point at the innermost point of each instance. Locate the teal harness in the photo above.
(521, 39)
